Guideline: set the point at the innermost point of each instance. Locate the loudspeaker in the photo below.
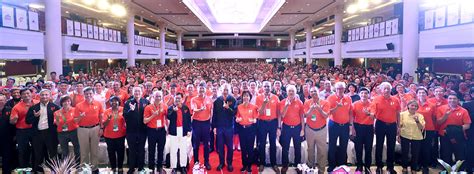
(139, 51)
(166, 53)
(304, 52)
(74, 47)
(153, 60)
(37, 62)
(330, 51)
(390, 46)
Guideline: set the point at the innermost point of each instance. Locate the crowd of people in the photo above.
(212, 103)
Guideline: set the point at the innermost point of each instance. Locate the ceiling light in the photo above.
(241, 11)
(118, 10)
(67, 12)
(352, 8)
(103, 4)
(363, 4)
(88, 2)
(376, 1)
(37, 6)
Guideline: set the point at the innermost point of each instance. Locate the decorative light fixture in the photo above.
(363, 4)
(352, 8)
(103, 4)
(88, 2)
(118, 10)
(376, 1)
(235, 11)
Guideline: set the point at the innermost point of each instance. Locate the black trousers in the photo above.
(457, 148)
(385, 130)
(267, 128)
(412, 146)
(7, 151)
(136, 151)
(44, 140)
(288, 133)
(428, 153)
(247, 140)
(201, 134)
(24, 139)
(363, 142)
(156, 139)
(116, 151)
(225, 136)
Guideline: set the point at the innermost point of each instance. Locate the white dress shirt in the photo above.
(43, 119)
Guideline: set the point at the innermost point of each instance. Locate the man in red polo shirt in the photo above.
(292, 114)
(364, 128)
(155, 119)
(454, 121)
(340, 122)
(201, 108)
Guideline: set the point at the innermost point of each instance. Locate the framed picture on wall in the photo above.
(361, 33)
(440, 17)
(382, 29)
(394, 26)
(83, 29)
(33, 21)
(110, 35)
(429, 19)
(106, 34)
(349, 35)
(119, 37)
(376, 30)
(333, 39)
(21, 19)
(371, 31)
(101, 33)
(135, 40)
(77, 29)
(357, 33)
(69, 27)
(353, 34)
(388, 28)
(114, 35)
(96, 32)
(453, 15)
(7, 16)
(467, 14)
(90, 31)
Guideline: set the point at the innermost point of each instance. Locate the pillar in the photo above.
(337, 51)
(131, 54)
(410, 37)
(53, 41)
(180, 47)
(292, 46)
(308, 27)
(162, 43)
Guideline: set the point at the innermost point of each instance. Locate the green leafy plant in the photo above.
(449, 168)
(58, 165)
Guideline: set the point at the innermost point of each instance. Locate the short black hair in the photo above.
(248, 93)
(114, 98)
(22, 90)
(364, 89)
(63, 99)
(88, 89)
(179, 93)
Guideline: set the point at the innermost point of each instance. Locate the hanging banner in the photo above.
(21, 19)
(382, 29)
(33, 20)
(69, 27)
(101, 33)
(395, 26)
(440, 17)
(453, 15)
(119, 37)
(106, 34)
(388, 28)
(7, 16)
(77, 29)
(376, 30)
(467, 13)
(429, 19)
(96, 32)
(90, 31)
(110, 35)
(84, 30)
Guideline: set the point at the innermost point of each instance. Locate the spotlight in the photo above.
(103, 4)
(330, 51)
(390, 46)
(74, 47)
(363, 4)
(118, 10)
(352, 8)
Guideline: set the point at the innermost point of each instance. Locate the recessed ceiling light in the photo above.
(159, 5)
(308, 4)
(67, 12)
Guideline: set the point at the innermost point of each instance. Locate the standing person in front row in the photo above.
(201, 108)
(292, 113)
(136, 133)
(67, 128)
(386, 109)
(316, 133)
(154, 118)
(88, 116)
(179, 129)
(114, 134)
(267, 104)
(412, 125)
(428, 111)
(454, 121)
(364, 128)
(223, 121)
(340, 124)
(41, 117)
(247, 117)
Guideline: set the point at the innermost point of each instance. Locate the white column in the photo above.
(162, 42)
(132, 54)
(309, 36)
(337, 36)
(410, 37)
(292, 46)
(53, 42)
(180, 48)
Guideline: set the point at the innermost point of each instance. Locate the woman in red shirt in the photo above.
(114, 133)
(247, 116)
(67, 127)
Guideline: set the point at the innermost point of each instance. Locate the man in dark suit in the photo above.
(469, 106)
(41, 117)
(7, 147)
(179, 129)
(136, 133)
(223, 120)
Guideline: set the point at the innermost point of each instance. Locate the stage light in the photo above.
(88, 2)
(118, 10)
(363, 4)
(352, 8)
(103, 4)
(361, 60)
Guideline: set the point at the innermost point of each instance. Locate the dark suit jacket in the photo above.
(172, 117)
(221, 117)
(31, 119)
(134, 119)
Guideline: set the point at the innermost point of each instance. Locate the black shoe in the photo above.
(379, 170)
(284, 169)
(249, 169)
(211, 150)
(174, 171)
(208, 166)
(425, 170)
(95, 171)
(330, 169)
(184, 170)
(219, 167)
(367, 170)
(243, 169)
(359, 169)
(230, 168)
(392, 171)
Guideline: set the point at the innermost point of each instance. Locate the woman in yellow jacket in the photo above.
(412, 126)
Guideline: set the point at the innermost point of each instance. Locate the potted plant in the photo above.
(451, 169)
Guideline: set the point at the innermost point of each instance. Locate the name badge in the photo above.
(115, 128)
(313, 117)
(158, 123)
(267, 112)
(64, 128)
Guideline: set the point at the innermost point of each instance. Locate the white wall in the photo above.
(234, 54)
(147, 52)
(115, 50)
(456, 36)
(373, 44)
(298, 54)
(31, 40)
(316, 52)
(172, 54)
